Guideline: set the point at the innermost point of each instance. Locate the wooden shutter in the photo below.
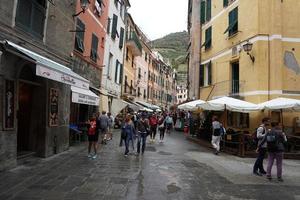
(116, 71)
(208, 38)
(225, 3)
(209, 74)
(121, 74)
(201, 76)
(114, 27)
(94, 48)
(108, 25)
(121, 38)
(202, 12)
(208, 10)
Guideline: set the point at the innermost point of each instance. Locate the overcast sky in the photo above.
(158, 18)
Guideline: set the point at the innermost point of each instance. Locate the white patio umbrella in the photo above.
(281, 104)
(192, 105)
(228, 103)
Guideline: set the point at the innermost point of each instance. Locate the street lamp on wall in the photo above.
(84, 4)
(247, 48)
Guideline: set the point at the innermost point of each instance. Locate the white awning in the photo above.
(117, 106)
(148, 105)
(83, 96)
(191, 106)
(281, 104)
(50, 69)
(229, 103)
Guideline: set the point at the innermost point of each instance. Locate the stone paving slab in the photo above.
(175, 169)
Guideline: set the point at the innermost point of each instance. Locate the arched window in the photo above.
(31, 16)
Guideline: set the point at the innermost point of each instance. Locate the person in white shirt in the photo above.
(216, 135)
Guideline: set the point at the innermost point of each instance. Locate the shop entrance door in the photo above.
(24, 118)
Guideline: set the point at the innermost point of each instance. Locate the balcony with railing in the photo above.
(231, 88)
(133, 43)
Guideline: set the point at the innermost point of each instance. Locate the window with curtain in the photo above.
(205, 75)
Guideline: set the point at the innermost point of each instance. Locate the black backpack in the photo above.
(272, 141)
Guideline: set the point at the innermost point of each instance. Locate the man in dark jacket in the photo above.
(142, 132)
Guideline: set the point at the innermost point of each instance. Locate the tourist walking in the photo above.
(169, 123)
(153, 127)
(161, 128)
(110, 126)
(93, 135)
(258, 168)
(275, 140)
(127, 134)
(216, 134)
(142, 129)
(103, 121)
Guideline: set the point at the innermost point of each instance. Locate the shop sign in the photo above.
(53, 107)
(84, 99)
(9, 105)
(60, 77)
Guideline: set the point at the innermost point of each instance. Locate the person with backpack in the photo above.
(103, 122)
(161, 128)
(92, 137)
(169, 123)
(217, 130)
(153, 127)
(142, 133)
(275, 140)
(262, 148)
(127, 134)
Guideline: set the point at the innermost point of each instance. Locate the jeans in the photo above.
(141, 139)
(271, 157)
(215, 141)
(127, 143)
(259, 161)
(162, 134)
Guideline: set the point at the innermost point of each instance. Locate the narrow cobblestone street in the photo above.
(175, 169)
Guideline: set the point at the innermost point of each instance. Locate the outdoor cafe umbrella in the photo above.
(281, 104)
(191, 106)
(229, 103)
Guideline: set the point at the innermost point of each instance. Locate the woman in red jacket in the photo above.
(92, 137)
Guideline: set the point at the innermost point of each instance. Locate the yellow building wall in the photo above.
(128, 69)
(258, 20)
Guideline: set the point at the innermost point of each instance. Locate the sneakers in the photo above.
(94, 156)
(280, 179)
(90, 155)
(257, 173)
(126, 155)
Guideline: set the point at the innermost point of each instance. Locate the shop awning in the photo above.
(48, 68)
(148, 105)
(83, 96)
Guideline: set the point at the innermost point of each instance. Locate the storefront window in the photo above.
(238, 120)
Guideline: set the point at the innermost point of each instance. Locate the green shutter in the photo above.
(232, 22)
(225, 3)
(121, 38)
(201, 76)
(108, 25)
(202, 12)
(121, 74)
(209, 78)
(208, 38)
(116, 72)
(114, 27)
(208, 10)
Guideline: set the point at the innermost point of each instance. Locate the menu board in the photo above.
(53, 107)
(9, 103)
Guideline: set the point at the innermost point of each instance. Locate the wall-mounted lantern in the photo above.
(248, 48)
(84, 4)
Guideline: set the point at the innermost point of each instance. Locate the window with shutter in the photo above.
(114, 27)
(209, 74)
(208, 38)
(202, 12)
(79, 37)
(121, 38)
(108, 25)
(121, 74)
(94, 48)
(208, 10)
(232, 22)
(30, 16)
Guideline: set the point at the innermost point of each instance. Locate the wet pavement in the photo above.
(175, 169)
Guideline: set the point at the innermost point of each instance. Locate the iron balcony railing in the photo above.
(232, 88)
(133, 37)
